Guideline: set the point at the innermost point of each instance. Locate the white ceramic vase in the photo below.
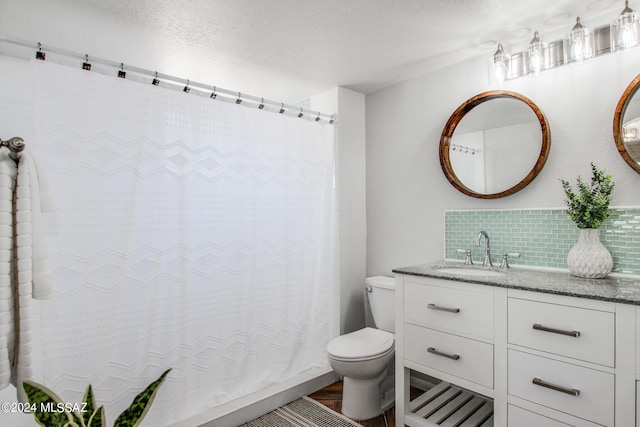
(589, 258)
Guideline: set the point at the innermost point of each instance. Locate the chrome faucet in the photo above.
(487, 248)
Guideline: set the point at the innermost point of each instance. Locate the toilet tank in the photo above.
(381, 291)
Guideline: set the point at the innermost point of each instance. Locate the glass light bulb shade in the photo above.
(502, 72)
(628, 35)
(625, 30)
(536, 54)
(581, 43)
(501, 64)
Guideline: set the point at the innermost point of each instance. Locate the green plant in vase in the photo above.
(588, 208)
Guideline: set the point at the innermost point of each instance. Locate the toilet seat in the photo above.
(367, 343)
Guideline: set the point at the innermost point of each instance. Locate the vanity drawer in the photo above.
(578, 333)
(451, 306)
(517, 416)
(593, 391)
(461, 357)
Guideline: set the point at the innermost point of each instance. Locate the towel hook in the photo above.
(214, 94)
(15, 144)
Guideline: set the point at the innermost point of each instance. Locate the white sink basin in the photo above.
(462, 271)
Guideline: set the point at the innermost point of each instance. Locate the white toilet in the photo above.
(364, 358)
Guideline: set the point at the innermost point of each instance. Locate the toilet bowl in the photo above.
(364, 358)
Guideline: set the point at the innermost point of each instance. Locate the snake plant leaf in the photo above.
(98, 418)
(41, 397)
(89, 400)
(133, 415)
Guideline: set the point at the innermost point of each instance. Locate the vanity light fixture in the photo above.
(536, 54)
(580, 46)
(625, 29)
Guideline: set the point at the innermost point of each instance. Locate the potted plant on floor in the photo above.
(50, 410)
(588, 207)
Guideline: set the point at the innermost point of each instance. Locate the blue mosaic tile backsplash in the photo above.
(543, 237)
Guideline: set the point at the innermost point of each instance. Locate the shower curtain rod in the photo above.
(215, 91)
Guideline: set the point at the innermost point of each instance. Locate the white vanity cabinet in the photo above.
(514, 357)
(446, 329)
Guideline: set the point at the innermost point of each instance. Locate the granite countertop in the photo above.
(614, 289)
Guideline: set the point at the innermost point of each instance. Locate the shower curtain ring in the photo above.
(122, 74)
(300, 114)
(318, 118)
(85, 64)
(40, 54)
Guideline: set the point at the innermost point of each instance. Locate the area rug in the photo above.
(303, 412)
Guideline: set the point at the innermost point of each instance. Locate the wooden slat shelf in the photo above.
(446, 405)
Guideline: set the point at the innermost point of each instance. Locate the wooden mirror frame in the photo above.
(618, 116)
(458, 115)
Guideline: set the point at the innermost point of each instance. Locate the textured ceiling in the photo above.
(287, 50)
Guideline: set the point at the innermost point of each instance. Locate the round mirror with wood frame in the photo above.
(626, 125)
(508, 138)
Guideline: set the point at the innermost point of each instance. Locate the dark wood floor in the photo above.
(331, 396)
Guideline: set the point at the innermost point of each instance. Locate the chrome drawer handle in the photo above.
(539, 327)
(439, 353)
(437, 307)
(571, 391)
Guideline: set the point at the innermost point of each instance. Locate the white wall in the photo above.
(407, 192)
(350, 180)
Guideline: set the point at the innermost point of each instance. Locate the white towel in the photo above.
(22, 368)
(8, 173)
(24, 267)
(41, 201)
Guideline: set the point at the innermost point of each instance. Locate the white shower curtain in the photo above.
(189, 233)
